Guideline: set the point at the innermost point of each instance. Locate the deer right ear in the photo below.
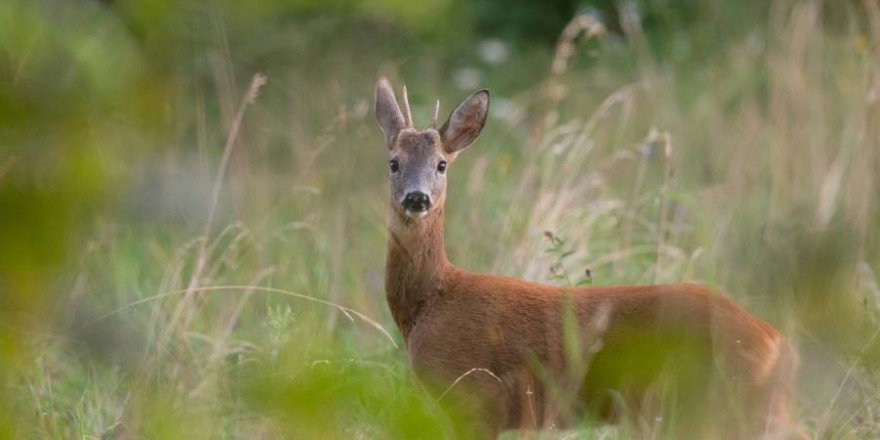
(388, 112)
(466, 122)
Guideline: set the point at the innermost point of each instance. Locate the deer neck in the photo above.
(416, 266)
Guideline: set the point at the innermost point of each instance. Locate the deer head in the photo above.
(419, 158)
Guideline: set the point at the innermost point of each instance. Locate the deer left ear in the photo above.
(466, 122)
(388, 112)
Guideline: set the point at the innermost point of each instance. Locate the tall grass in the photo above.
(227, 279)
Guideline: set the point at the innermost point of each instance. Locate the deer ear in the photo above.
(466, 122)
(387, 111)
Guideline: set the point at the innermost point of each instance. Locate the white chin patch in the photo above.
(415, 214)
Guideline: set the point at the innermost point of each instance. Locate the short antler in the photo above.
(436, 115)
(407, 114)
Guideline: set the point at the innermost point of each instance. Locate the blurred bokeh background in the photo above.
(193, 195)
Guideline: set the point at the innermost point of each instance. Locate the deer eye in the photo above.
(395, 165)
(441, 167)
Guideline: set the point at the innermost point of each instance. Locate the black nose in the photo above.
(416, 201)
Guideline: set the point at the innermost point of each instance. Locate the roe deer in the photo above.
(679, 360)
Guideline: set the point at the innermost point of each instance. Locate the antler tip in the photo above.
(407, 114)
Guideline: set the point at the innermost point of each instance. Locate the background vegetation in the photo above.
(193, 195)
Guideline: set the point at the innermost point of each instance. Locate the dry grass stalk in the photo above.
(257, 81)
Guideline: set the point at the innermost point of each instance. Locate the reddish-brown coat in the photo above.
(627, 337)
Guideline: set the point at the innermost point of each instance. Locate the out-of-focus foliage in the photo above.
(67, 101)
(152, 286)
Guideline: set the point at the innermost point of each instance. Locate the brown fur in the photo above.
(558, 354)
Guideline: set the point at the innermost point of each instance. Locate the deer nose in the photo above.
(416, 201)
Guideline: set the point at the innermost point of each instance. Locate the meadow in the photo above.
(193, 199)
